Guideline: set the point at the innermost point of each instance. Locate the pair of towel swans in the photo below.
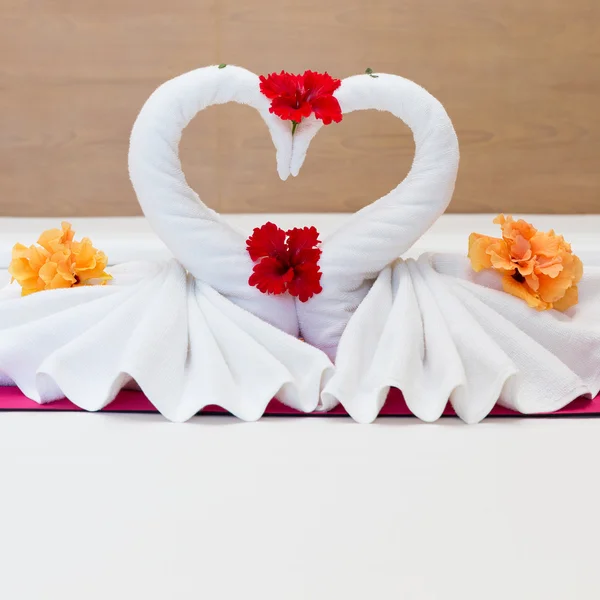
(192, 332)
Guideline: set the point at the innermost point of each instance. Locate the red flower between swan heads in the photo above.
(288, 261)
(294, 97)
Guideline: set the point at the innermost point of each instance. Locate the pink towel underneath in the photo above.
(130, 401)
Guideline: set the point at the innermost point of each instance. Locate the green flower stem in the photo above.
(294, 125)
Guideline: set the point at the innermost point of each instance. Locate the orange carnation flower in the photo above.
(537, 267)
(57, 262)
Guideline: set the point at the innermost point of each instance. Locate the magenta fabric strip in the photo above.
(11, 398)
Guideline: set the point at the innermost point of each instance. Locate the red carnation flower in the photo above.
(294, 97)
(267, 240)
(287, 261)
(271, 276)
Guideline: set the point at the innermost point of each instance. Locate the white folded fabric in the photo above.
(438, 331)
(192, 332)
(183, 343)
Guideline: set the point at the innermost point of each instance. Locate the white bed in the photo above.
(102, 506)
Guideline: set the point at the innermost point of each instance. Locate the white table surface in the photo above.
(96, 506)
(130, 506)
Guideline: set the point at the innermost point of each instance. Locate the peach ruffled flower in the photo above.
(537, 267)
(57, 262)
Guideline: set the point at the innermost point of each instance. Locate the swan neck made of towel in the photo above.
(155, 169)
(377, 235)
(382, 231)
(201, 240)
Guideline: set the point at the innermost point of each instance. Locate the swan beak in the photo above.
(301, 140)
(283, 170)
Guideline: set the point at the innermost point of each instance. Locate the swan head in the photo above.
(301, 140)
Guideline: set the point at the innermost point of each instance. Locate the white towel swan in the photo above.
(187, 339)
(432, 327)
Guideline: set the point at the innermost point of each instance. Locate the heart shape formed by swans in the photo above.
(430, 327)
(214, 252)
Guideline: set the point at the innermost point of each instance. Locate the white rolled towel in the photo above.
(375, 236)
(201, 240)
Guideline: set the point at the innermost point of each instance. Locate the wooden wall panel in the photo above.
(521, 81)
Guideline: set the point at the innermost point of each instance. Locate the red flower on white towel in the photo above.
(285, 261)
(294, 97)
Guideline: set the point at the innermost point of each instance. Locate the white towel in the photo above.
(181, 341)
(437, 330)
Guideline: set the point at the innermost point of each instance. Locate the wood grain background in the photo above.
(520, 79)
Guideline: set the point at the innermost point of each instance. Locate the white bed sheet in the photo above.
(102, 506)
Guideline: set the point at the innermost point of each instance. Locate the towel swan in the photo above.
(192, 332)
(432, 327)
